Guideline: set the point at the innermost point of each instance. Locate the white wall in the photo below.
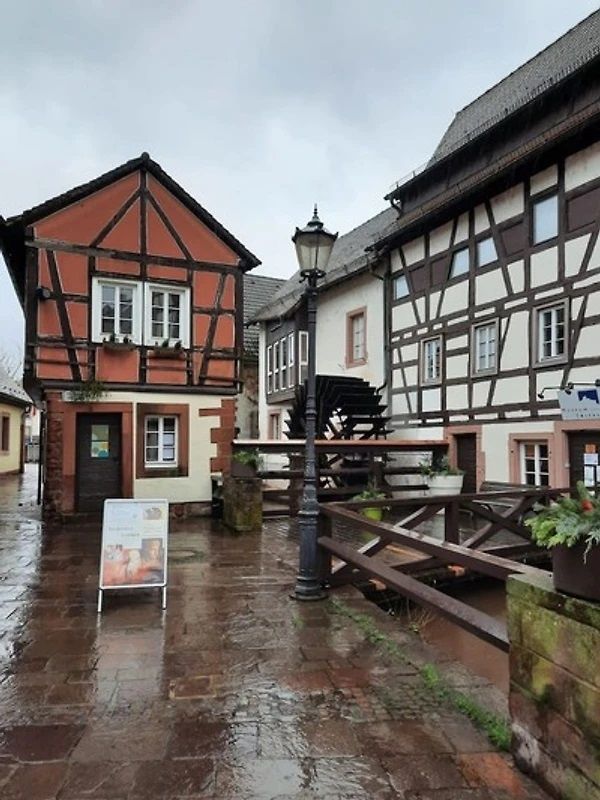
(196, 486)
(334, 305)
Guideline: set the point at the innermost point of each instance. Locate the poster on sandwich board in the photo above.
(134, 546)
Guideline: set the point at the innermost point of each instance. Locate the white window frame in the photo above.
(291, 361)
(353, 318)
(161, 463)
(302, 355)
(276, 364)
(136, 330)
(491, 368)
(554, 356)
(435, 376)
(269, 369)
(537, 459)
(184, 311)
(283, 366)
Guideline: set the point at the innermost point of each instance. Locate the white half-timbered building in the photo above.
(494, 273)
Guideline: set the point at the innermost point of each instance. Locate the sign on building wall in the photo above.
(580, 403)
(134, 546)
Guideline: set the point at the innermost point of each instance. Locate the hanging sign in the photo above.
(580, 403)
(134, 546)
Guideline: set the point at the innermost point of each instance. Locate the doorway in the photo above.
(584, 450)
(466, 460)
(98, 443)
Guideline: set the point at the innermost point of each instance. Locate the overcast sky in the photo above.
(257, 108)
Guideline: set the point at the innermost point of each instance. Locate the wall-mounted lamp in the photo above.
(43, 293)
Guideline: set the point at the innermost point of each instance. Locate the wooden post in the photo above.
(452, 522)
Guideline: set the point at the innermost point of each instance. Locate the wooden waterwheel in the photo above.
(347, 408)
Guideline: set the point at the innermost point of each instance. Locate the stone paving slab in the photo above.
(235, 692)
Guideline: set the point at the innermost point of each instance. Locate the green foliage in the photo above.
(569, 521)
(250, 457)
(495, 727)
(441, 467)
(88, 391)
(372, 492)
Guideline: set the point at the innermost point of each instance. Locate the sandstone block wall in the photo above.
(555, 687)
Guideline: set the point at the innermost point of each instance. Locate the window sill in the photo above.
(150, 471)
(551, 361)
(358, 363)
(167, 352)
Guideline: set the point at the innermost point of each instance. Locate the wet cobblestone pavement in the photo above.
(235, 692)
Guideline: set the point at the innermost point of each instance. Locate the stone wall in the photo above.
(555, 687)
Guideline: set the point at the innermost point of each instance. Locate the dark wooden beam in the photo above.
(63, 316)
(476, 622)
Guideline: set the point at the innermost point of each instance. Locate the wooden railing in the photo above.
(377, 465)
(500, 512)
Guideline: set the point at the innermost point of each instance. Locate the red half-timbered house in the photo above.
(133, 302)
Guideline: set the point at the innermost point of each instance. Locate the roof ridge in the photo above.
(528, 61)
(58, 202)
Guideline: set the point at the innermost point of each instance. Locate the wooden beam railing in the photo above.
(495, 561)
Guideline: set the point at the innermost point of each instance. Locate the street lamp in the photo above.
(314, 244)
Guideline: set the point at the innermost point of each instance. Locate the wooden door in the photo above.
(98, 460)
(582, 444)
(466, 459)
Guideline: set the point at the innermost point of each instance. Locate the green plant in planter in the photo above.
(569, 521)
(441, 467)
(372, 492)
(88, 391)
(251, 459)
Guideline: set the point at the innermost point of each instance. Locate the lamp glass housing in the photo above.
(314, 244)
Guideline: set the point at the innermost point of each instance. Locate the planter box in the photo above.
(445, 484)
(572, 575)
(118, 346)
(168, 352)
(240, 470)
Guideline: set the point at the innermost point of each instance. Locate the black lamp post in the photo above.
(314, 244)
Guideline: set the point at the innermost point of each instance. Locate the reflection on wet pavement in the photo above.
(234, 692)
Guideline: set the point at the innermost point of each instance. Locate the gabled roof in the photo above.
(258, 290)
(32, 215)
(11, 392)
(349, 258)
(544, 71)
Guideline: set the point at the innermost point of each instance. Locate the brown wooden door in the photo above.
(466, 459)
(580, 444)
(98, 460)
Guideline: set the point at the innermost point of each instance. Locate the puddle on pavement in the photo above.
(481, 658)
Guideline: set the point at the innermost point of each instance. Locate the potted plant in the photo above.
(570, 528)
(168, 350)
(245, 463)
(371, 493)
(113, 343)
(442, 478)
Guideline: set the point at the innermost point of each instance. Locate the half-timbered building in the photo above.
(350, 334)
(494, 281)
(133, 302)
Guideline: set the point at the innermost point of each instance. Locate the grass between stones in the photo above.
(495, 727)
